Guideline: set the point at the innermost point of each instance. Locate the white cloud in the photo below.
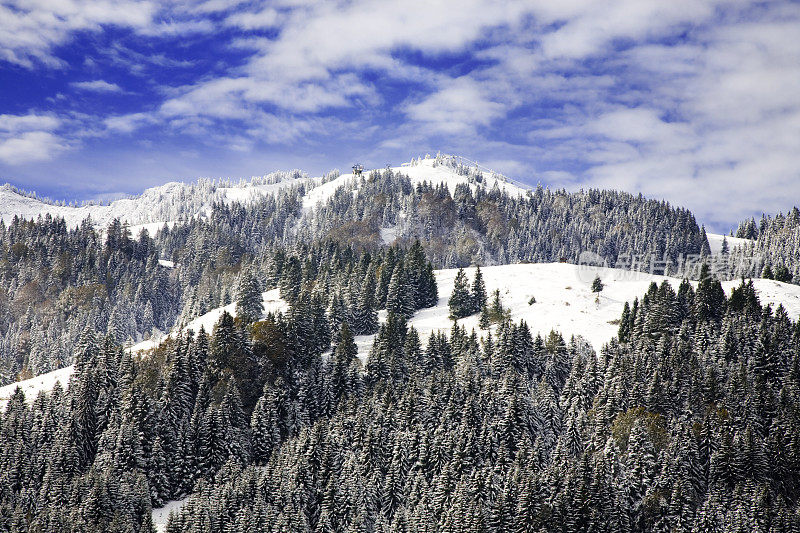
(98, 86)
(315, 62)
(589, 26)
(30, 29)
(27, 138)
(11, 124)
(172, 28)
(457, 108)
(127, 123)
(266, 18)
(30, 146)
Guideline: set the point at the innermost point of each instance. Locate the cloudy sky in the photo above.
(696, 102)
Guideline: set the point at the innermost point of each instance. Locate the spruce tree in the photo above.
(478, 292)
(398, 299)
(365, 321)
(460, 300)
(249, 306)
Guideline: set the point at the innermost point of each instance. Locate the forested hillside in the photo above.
(57, 279)
(777, 244)
(688, 420)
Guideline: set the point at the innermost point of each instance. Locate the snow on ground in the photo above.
(248, 193)
(389, 235)
(161, 515)
(564, 301)
(272, 304)
(150, 210)
(151, 227)
(179, 201)
(166, 263)
(424, 170)
(715, 242)
(31, 387)
(324, 191)
(421, 170)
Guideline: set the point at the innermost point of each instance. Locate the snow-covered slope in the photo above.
(433, 170)
(31, 387)
(161, 514)
(715, 242)
(564, 302)
(272, 304)
(155, 206)
(175, 201)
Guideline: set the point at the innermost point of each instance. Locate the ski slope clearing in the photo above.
(161, 514)
(31, 387)
(564, 302)
(272, 304)
(715, 242)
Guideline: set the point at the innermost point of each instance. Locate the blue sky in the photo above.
(696, 102)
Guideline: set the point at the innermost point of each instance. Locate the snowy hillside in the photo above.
(443, 169)
(155, 206)
(715, 242)
(175, 201)
(270, 299)
(564, 302)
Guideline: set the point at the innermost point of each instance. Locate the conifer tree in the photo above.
(484, 321)
(479, 296)
(398, 299)
(249, 306)
(460, 300)
(365, 320)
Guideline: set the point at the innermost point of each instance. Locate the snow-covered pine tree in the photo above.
(249, 306)
(597, 284)
(460, 302)
(479, 296)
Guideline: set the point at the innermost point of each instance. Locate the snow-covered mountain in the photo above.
(155, 206)
(564, 302)
(176, 201)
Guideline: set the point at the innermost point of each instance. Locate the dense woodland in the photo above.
(777, 244)
(686, 421)
(56, 279)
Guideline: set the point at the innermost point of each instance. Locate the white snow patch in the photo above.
(165, 263)
(31, 387)
(323, 192)
(424, 170)
(389, 235)
(151, 209)
(421, 170)
(715, 242)
(151, 227)
(272, 304)
(564, 300)
(161, 515)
